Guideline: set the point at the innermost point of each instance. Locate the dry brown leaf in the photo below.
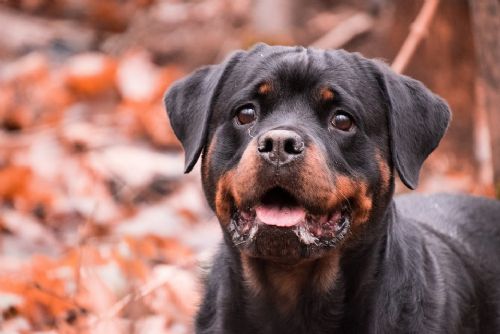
(98, 296)
(173, 291)
(30, 93)
(158, 249)
(138, 79)
(32, 67)
(20, 185)
(152, 324)
(156, 126)
(90, 74)
(29, 232)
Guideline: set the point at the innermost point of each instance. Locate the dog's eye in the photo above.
(246, 114)
(342, 121)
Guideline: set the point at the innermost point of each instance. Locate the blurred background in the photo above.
(100, 231)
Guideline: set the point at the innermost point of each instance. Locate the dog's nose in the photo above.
(280, 147)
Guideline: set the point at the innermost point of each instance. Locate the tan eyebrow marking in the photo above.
(326, 94)
(264, 88)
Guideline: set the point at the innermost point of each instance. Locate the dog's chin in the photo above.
(279, 228)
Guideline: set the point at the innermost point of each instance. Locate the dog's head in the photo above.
(299, 145)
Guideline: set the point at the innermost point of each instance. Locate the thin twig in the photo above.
(417, 31)
(117, 307)
(81, 245)
(345, 31)
(482, 138)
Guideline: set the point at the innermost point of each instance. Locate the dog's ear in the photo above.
(417, 119)
(189, 104)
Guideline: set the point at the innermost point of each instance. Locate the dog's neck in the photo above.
(340, 273)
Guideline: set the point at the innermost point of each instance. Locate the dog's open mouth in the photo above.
(282, 213)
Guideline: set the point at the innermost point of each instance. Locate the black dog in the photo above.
(300, 147)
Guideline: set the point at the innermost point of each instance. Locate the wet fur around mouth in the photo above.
(311, 231)
(313, 235)
(322, 230)
(405, 264)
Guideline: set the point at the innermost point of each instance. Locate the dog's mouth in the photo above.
(283, 216)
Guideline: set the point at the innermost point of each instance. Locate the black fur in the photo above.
(193, 99)
(417, 121)
(420, 264)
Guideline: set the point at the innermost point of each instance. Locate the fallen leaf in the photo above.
(90, 74)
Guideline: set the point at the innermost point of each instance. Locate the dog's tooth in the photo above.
(253, 231)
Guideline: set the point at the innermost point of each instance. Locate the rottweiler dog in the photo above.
(300, 148)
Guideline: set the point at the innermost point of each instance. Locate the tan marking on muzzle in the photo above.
(333, 191)
(205, 160)
(314, 183)
(246, 173)
(223, 197)
(315, 180)
(236, 183)
(384, 170)
(356, 191)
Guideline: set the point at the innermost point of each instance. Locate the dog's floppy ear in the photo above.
(189, 104)
(417, 118)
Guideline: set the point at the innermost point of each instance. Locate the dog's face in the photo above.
(300, 145)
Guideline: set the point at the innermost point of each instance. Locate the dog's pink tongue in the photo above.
(272, 215)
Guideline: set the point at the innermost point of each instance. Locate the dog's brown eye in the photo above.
(342, 121)
(246, 115)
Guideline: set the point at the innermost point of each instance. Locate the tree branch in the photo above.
(417, 31)
(345, 31)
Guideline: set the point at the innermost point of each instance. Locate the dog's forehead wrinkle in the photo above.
(305, 64)
(258, 64)
(292, 73)
(292, 67)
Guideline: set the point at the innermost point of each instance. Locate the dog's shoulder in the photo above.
(451, 213)
(437, 244)
(470, 223)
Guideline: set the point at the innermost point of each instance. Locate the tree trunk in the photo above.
(486, 31)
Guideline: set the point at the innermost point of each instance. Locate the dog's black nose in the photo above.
(280, 147)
